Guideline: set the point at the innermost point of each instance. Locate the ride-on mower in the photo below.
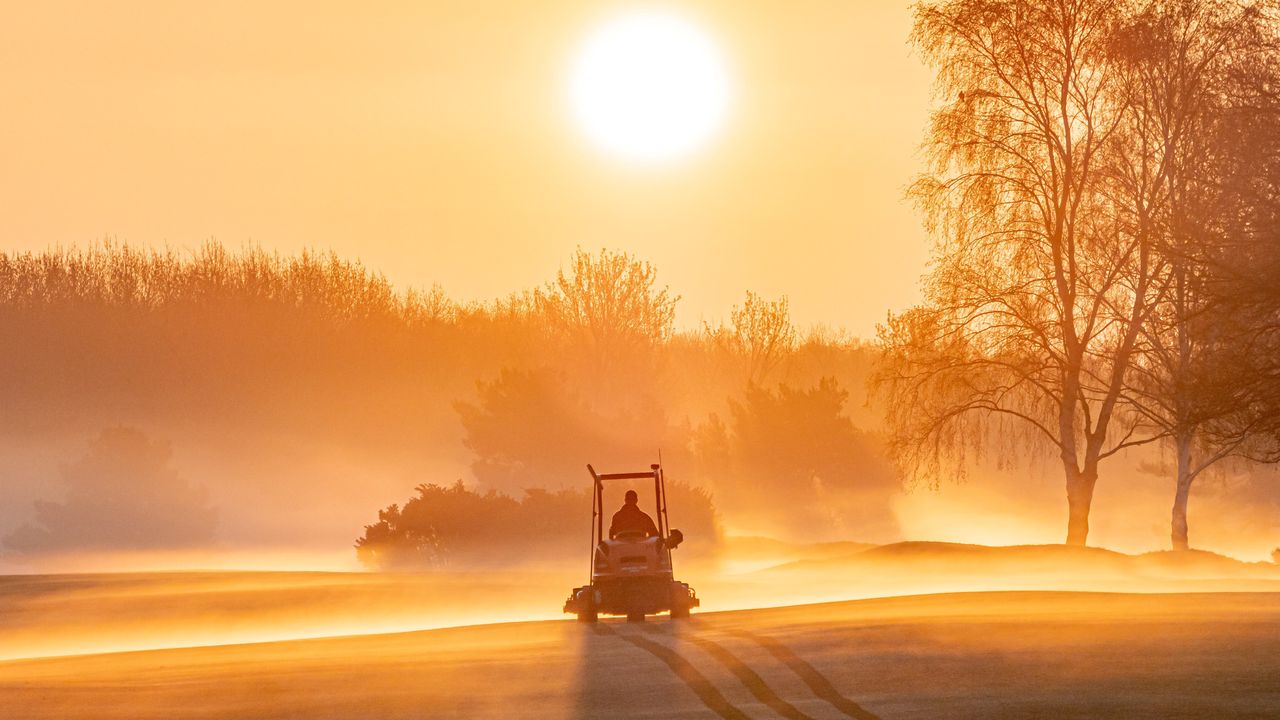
(631, 573)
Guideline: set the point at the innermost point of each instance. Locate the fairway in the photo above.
(969, 655)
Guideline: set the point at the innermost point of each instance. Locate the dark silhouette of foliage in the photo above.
(1195, 78)
(533, 429)
(1247, 263)
(798, 448)
(448, 526)
(123, 494)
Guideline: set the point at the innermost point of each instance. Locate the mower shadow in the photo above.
(746, 676)
(626, 670)
(817, 684)
(622, 673)
(612, 678)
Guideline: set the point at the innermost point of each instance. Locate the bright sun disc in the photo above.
(649, 86)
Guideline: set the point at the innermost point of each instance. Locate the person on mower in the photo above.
(631, 519)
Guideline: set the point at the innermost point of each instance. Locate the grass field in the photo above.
(1014, 654)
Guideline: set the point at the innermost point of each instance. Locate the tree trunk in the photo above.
(1179, 530)
(1079, 499)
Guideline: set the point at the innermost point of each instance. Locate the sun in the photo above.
(649, 86)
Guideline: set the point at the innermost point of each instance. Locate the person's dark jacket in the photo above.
(632, 519)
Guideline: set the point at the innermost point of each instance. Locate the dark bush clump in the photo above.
(454, 526)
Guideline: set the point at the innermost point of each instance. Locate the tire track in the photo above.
(809, 675)
(684, 670)
(749, 678)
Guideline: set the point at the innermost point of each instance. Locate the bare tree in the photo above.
(1191, 70)
(610, 303)
(760, 334)
(1248, 264)
(1043, 275)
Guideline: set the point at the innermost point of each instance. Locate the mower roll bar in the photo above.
(621, 476)
(597, 505)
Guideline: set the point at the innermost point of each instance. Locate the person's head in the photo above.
(631, 498)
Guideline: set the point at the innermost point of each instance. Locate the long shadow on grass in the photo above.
(818, 683)
(612, 677)
(749, 678)
(683, 669)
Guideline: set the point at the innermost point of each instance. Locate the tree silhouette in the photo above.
(532, 428)
(797, 447)
(1246, 269)
(609, 316)
(611, 299)
(760, 335)
(122, 494)
(1042, 276)
(1195, 76)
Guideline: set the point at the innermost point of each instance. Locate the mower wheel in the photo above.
(588, 612)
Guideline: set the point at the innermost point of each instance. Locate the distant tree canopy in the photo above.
(112, 332)
(534, 429)
(610, 299)
(122, 494)
(760, 333)
(609, 316)
(797, 447)
(455, 526)
(259, 357)
(120, 276)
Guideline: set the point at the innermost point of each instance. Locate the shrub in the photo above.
(454, 526)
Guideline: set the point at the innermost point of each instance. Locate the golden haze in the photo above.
(435, 142)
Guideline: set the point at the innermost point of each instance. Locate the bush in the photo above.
(454, 526)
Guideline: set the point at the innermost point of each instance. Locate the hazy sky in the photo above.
(434, 141)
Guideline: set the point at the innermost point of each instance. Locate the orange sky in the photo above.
(434, 141)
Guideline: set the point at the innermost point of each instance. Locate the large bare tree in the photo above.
(1044, 265)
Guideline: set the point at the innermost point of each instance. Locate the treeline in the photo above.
(1105, 196)
(249, 348)
(109, 332)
